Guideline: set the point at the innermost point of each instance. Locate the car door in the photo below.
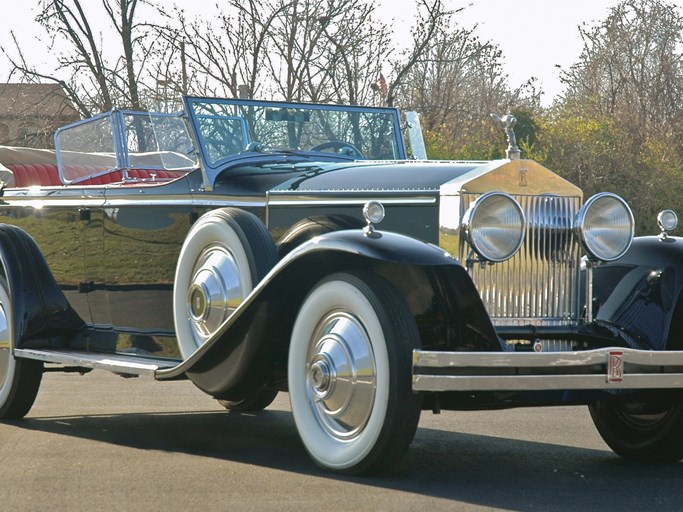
(144, 226)
(57, 219)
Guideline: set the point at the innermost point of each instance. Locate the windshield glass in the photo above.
(157, 141)
(226, 128)
(123, 140)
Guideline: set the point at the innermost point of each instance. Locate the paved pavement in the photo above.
(101, 442)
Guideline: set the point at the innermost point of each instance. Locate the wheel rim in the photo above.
(216, 289)
(341, 375)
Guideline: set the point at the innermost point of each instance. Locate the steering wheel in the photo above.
(339, 146)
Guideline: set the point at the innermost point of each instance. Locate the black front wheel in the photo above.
(640, 431)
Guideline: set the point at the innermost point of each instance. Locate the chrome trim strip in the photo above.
(475, 371)
(33, 202)
(133, 365)
(180, 201)
(365, 190)
(299, 201)
(543, 382)
(131, 200)
(433, 359)
(141, 197)
(220, 201)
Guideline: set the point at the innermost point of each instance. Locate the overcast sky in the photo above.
(535, 35)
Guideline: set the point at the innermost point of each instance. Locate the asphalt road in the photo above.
(101, 442)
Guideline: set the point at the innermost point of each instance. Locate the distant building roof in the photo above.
(36, 101)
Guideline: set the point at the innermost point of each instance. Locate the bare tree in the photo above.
(313, 50)
(631, 67)
(325, 51)
(455, 80)
(360, 45)
(221, 56)
(432, 19)
(459, 77)
(123, 19)
(92, 83)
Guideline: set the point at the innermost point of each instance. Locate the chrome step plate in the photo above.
(117, 363)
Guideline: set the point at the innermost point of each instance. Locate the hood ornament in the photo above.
(507, 123)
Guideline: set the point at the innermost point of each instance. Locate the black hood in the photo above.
(404, 176)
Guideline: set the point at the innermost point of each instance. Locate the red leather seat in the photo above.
(47, 175)
(27, 175)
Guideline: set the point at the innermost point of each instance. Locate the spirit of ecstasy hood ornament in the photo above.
(507, 123)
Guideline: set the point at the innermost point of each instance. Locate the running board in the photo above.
(605, 368)
(117, 363)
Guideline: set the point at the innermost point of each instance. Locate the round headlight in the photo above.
(373, 211)
(494, 226)
(667, 220)
(605, 227)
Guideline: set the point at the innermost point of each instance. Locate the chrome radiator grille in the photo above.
(539, 285)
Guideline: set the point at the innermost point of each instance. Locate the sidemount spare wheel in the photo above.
(19, 378)
(349, 373)
(225, 254)
(646, 429)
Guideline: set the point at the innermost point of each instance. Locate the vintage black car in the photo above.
(238, 245)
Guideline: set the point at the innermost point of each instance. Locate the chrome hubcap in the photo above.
(341, 375)
(215, 291)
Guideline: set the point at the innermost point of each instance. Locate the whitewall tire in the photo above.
(225, 254)
(349, 374)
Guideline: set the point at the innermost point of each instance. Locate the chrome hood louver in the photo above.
(539, 285)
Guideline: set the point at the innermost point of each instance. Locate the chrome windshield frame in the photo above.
(212, 168)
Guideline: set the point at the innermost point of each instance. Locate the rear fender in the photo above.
(640, 293)
(250, 348)
(42, 315)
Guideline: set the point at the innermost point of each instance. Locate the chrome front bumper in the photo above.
(605, 368)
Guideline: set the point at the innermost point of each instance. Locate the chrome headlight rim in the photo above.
(582, 231)
(373, 212)
(667, 220)
(472, 231)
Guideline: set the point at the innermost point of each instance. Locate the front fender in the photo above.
(41, 313)
(250, 348)
(640, 291)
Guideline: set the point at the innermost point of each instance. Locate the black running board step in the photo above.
(117, 363)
